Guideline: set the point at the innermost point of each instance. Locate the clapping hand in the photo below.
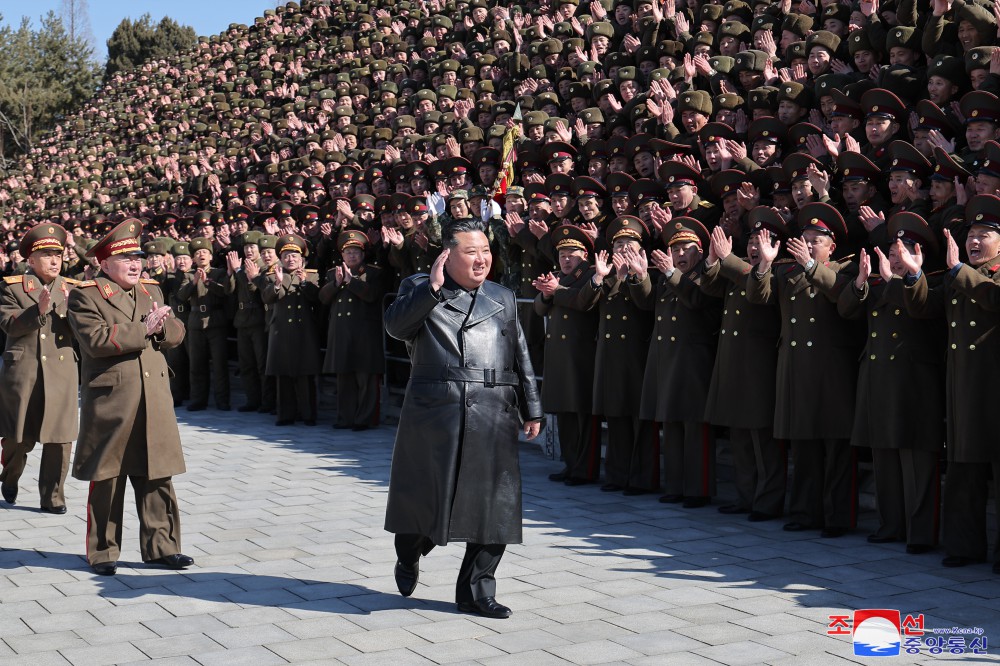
(45, 301)
(768, 252)
(799, 251)
(155, 318)
(547, 284)
(663, 261)
(864, 270)
(884, 267)
(601, 266)
(951, 258)
(722, 245)
(232, 261)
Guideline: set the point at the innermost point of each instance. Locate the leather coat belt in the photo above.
(487, 376)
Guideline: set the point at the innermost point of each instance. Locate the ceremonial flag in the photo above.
(505, 177)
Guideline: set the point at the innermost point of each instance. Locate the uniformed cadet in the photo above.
(817, 369)
(682, 183)
(251, 336)
(571, 335)
(747, 356)
(292, 291)
(269, 260)
(903, 356)
(967, 297)
(679, 364)
(127, 424)
(38, 377)
(177, 357)
(632, 460)
(206, 290)
(354, 291)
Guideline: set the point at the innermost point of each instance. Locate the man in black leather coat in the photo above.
(455, 473)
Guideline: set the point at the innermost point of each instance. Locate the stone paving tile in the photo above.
(114, 653)
(294, 567)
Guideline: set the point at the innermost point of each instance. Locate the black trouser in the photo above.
(180, 380)
(760, 466)
(357, 399)
(908, 494)
(251, 346)
(475, 577)
(689, 458)
(580, 444)
(208, 348)
(966, 496)
(296, 397)
(824, 490)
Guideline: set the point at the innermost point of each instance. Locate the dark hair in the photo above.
(468, 225)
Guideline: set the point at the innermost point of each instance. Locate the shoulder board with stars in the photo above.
(146, 281)
(311, 270)
(71, 281)
(12, 279)
(87, 283)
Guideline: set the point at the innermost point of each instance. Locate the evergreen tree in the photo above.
(44, 75)
(134, 42)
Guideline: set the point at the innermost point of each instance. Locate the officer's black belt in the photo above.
(487, 376)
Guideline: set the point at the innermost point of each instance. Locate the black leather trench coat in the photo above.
(455, 474)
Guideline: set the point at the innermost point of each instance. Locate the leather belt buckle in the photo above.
(489, 377)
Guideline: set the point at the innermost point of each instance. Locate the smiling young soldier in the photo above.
(903, 356)
(747, 356)
(680, 360)
(817, 369)
(571, 335)
(969, 299)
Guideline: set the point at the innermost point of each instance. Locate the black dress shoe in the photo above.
(695, 502)
(610, 488)
(248, 408)
(175, 561)
(953, 561)
(487, 607)
(266, 409)
(58, 510)
(732, 509)
(833, 532)
(310, 422)
(558, 477)
(284, 422)
(361, 427)
(996, 567)
(224, 408)
(197, 407)
(796, 527)
(918, 548)
(671, 499)
(9, 493)
(875, 538)
(632, 492)
(342, 426)
(406, 578)
(105, 568)
(760, 517)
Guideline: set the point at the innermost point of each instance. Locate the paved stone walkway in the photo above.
(293, 567)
